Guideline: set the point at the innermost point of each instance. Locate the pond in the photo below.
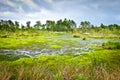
(78, 46)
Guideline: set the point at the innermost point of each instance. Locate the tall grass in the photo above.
(99, 65)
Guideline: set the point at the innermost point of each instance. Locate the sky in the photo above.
(95, 11)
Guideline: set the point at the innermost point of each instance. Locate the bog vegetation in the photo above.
(102, 63)
(112, 30)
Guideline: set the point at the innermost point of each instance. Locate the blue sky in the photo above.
(95, 11)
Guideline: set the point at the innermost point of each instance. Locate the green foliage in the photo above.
(60, 25)
(111, 45)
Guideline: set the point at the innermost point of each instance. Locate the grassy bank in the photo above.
(99, 65)
(27, 40)
(96, 35)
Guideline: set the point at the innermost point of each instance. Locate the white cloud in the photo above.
(20, 9)
(44, 15)
(7, 13)
(41, 15)
(30, 3)
(49, 1)
(8, 2)
(70, 9)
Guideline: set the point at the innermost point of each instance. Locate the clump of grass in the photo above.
(5, 74)
(3, 36)
(111, 45)
(76, 35)
(55, 46)
(8, 58)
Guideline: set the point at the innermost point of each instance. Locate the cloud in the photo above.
(10, 3)
(95, 11)
(30, 3)
(20, 9)
(41, 15)
(45, 14)
(49, 1)
(11, 15)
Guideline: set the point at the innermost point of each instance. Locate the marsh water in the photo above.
(79, 46)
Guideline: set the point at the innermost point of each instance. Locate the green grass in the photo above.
(103, 64)
(27, 40)
(99, 65)
(111, 45)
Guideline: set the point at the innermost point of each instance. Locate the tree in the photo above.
(73, 24)
(23, 27)
(50, 25)
(59, 26)
(102, 25)
(10, 25)
(37, 25)
(43, 27)
(67, 24)
(1, 23)
(85, 25)
(16, 25)
(28, 24)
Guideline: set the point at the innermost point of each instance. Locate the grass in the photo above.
(99, 65)
(103, 64)
(27, 40)
(76, 35)
(111, 45)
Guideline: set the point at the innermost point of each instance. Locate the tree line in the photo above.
(60, 25)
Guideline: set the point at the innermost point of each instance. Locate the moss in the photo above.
(55, 46)
(76, 35)
(111, 45)
(93, 65)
